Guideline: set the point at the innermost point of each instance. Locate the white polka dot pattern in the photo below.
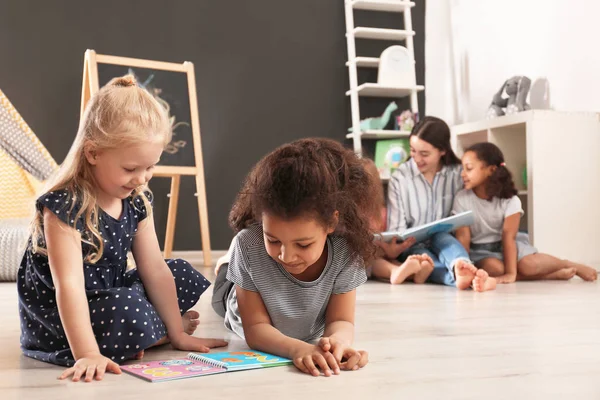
(122, 317)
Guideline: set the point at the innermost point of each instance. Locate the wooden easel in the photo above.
(91, 86)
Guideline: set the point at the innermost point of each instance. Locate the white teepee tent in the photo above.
(24, 165)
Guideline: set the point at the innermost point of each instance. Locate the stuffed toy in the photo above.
(378, 122)
(517, 89)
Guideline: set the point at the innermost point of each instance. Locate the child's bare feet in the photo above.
(409, 267)
(426, 269)
(584, 272)
(190, 321)
(139, 355)
(561, 275)
(464, 272)
(483, 282)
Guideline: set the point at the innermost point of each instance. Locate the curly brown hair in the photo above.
(312, 177)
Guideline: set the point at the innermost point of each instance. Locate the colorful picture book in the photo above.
(390, 154)
(203, 364)
(423, 232)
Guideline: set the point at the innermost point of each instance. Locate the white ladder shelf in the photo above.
(354, 62)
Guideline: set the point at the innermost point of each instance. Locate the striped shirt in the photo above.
(296, 308)
(413, 201)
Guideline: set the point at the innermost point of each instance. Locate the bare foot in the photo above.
(426, 269)
(410, 267)
(483, 282)
(190, 321)
(464, 272)
(139, 355)
(561, 275)
(584, 272)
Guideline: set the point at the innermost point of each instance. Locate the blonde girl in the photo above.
(79, 306)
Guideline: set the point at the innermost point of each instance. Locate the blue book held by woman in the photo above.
(423, 232)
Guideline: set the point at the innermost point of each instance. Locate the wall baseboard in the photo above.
(196, 257)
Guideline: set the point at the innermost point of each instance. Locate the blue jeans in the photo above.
(444, 250)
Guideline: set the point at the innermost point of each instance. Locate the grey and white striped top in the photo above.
(413, 201)
(296, 308)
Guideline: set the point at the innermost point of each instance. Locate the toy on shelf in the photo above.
(377, 123)
(406, 121)
(396, 67)
(517, 89)
(389, 155)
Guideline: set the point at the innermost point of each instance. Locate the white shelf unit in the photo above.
(377, 90)
(381, 134)
(381, 5)
(365, 62)
(355, 62)
(381, 33)
(560, 197)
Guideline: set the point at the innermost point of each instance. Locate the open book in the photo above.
(203, 364)
(423, 232)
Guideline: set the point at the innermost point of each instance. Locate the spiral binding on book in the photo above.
(212, 363)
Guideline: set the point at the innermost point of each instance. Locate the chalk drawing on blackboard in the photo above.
(174, 146)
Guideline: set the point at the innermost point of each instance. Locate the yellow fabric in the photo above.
(18, 188)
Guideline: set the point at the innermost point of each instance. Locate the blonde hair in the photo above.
(120, 114)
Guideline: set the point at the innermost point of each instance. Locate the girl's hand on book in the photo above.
(310, 358)
(93, 365)
(393, 249)
(190, 343)
(347, 358)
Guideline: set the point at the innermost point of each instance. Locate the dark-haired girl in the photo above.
(494, 241)
(421, 191)
(289, 284)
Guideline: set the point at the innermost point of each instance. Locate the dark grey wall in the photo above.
(267, 72)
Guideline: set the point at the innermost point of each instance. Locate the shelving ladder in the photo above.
(354, 62)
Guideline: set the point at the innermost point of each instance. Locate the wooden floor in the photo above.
(524, 341)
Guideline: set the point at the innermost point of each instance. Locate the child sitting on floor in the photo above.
(493, 240)
(415, 268)
(79, 306)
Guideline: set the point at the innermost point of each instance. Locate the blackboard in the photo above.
(171, 90)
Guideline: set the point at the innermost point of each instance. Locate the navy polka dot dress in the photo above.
(122, 318)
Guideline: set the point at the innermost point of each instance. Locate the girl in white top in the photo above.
(494, 241)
